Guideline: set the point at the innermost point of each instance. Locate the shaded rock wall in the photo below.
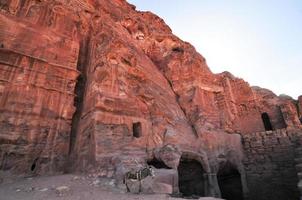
(270, 165)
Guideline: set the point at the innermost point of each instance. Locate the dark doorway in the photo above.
(158, 164)
(33, 166)
(191, 178)
(267, 122)
(137, 129)
(229, 180)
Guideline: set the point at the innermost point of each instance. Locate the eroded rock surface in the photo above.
(95, 85)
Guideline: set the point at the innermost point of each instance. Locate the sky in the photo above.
(257, 40)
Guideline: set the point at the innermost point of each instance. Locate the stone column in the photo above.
(212, 187)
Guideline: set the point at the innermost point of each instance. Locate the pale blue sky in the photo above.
(257, 40)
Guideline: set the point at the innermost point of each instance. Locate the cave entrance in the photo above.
(158, 164)
(137, 129)
(34, 165)
(191, 178)
(267, 122)
(229, 181)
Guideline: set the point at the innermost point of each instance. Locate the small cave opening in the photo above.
(191, 179)
(34, 165)
(177, 49)
(229, 181)
(158, 164)
(137, 129)
(266, 122)
(126, 61)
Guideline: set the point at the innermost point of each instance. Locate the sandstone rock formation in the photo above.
(300, 108)
(96, 85)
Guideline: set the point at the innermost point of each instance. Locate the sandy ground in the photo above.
(67, 187)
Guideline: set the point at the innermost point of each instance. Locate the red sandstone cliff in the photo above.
(97, 83)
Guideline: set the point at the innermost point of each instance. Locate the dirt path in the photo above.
(67, 187)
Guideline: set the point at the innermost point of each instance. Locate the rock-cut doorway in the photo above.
(229, 181)
(191, 178)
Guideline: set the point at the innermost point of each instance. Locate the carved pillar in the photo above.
(212, 187)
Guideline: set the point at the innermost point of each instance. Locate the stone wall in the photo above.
(270, 166)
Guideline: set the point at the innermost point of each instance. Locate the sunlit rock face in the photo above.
(96, 85)
(38, 72)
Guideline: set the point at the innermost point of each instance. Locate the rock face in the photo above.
(38, 72)
(96, 85)
(300, 108)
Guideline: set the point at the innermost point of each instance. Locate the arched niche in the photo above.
(229, 181)
(191, 177)
(266, 122)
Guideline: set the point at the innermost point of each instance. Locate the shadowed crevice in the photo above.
(79, 92)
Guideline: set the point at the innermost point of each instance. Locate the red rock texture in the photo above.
(300, 108)
(38, 72)
(95, 84)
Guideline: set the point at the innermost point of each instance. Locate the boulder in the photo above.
(169, 154)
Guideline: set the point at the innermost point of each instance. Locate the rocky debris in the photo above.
(18, 190)
(62, 190)
(43, 189)
(30, 189)
(75, 178)
(95, 182)
(78, 190)
(26, 189)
